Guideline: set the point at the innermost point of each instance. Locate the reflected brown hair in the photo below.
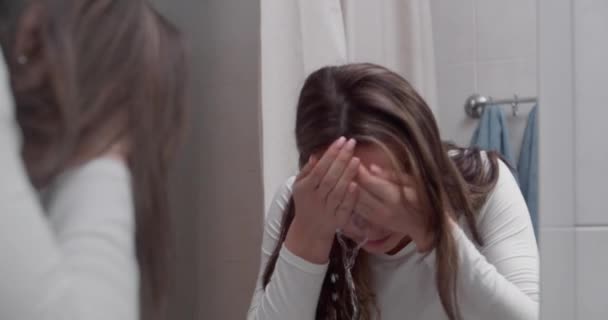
(117, 75)
(376, 106)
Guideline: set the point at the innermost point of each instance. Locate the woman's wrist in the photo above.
(307, 243)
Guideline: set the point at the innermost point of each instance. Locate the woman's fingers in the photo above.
(319, 171)
(405, 181)
(312, 161)
(411, 198)
(384, 174)
(392, 176)
(369, 207)
(337, 168)
(373, 184)
(347, 206)
(337, 194)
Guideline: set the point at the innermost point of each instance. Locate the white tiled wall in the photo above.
(556, 155)
(486, 47)
(591, 156)
(556, 136)
(573, 157)
(558, 265)
(591, 279)
(591, 72)
(489, 47)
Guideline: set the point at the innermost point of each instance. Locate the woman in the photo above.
(97, 108)
(449, 234)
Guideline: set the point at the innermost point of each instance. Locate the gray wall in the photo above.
(217, 183)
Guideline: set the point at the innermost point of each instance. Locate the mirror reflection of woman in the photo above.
(450, 236)
(91, 103)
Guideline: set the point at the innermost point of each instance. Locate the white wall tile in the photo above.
(556, 136)
(590, 52)
(503, 80)
(558, 295)
(454, 30)
(506, 29)
(592, 278)
(455, 83)
(493, 27)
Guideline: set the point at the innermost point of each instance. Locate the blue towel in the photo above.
(528, 167)
(493, 134)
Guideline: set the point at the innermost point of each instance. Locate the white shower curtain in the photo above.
(300, 36)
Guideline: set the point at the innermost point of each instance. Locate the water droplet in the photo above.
(349, 257)
(334, 278)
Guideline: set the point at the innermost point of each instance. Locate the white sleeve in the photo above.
(77, 262)
(501, 279)
(294, 288)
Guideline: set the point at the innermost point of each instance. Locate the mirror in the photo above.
(448, 51)
(473, 133)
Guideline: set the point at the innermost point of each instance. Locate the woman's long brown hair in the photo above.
(117, 74)
(376, 106)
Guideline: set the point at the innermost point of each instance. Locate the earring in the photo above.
(22, 59)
